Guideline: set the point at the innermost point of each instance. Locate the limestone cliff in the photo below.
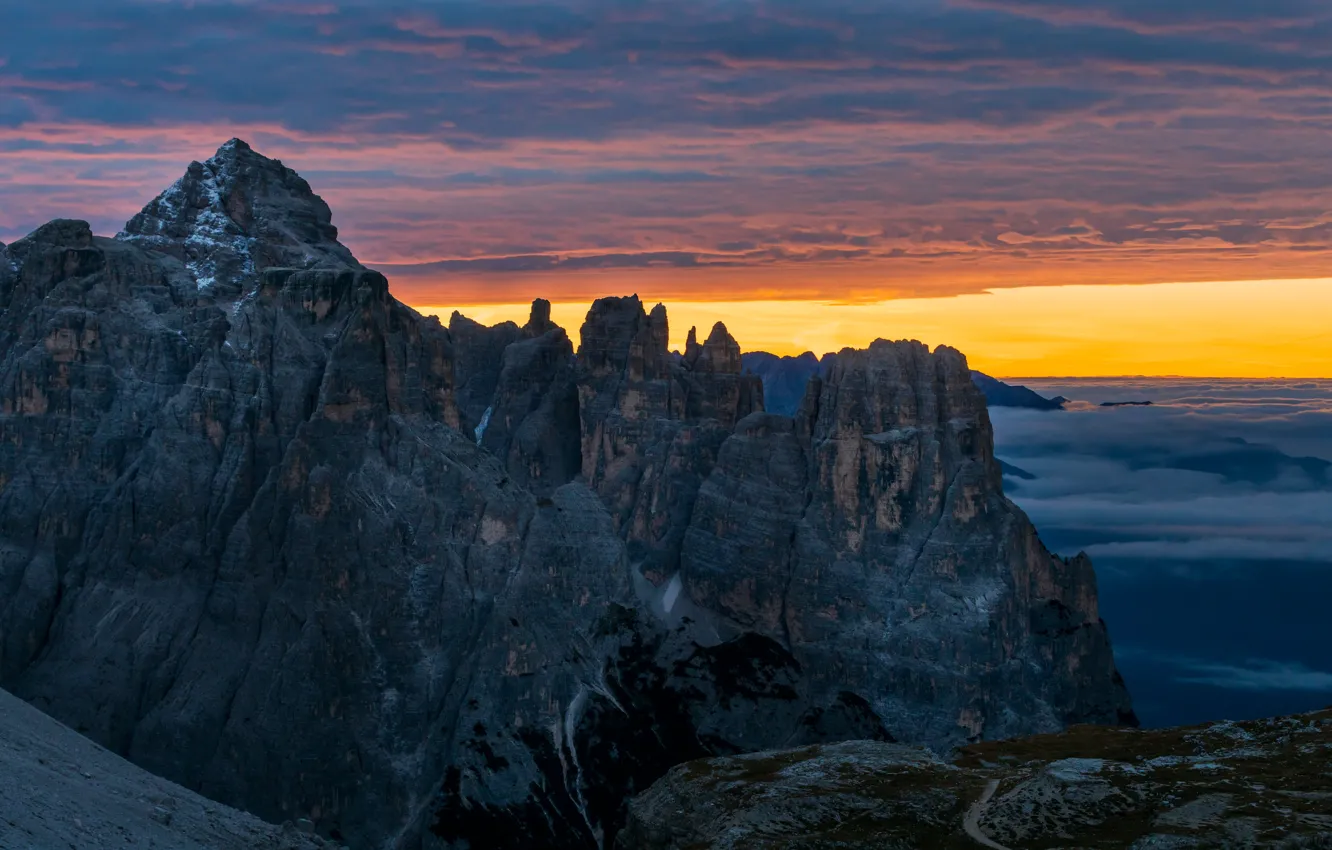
(879, 512)
(275, 536)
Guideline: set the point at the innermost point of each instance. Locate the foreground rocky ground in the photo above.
(1265, 783)
(60, 790)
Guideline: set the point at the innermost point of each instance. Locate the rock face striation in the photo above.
(273, 535)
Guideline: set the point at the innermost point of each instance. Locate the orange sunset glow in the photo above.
(1051, 188)
(1243, 329)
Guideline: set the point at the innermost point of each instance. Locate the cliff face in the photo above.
(275, 536)
(879, 512)
(651, 426)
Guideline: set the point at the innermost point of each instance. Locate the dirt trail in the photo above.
(972, 822)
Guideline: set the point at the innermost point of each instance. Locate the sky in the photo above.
(834, 170)
(1206, 516)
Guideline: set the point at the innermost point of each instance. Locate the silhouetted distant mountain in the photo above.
(784, 378)
(1256, 463)
(999, 394)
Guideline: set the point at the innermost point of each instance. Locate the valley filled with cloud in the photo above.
(1209, 517)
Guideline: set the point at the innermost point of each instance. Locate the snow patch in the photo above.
(480, 430)
(672, 593)
(572, 715)
(210, 234)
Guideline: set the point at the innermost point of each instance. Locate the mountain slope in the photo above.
(58, 789)
(273, 535)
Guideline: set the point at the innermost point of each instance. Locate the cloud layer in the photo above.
(789, 149)
(1209, 517)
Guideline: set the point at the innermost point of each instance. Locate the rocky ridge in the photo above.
(1258, 784)
(273, 535)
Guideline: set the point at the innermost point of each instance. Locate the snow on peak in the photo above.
(190, 220)
(236, 213)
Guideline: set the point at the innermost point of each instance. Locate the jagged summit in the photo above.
(318, 557)
(538, 321)
(719, 353)
(232, 216)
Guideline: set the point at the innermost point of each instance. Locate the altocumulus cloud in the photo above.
(947, 143)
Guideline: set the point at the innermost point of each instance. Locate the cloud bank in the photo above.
(1209, 518)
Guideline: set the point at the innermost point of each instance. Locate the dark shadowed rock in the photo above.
(317, 556)
(534, 422)
(478, 360)
(59, 789)
(519, 395)
(652, 425)
(879, 511)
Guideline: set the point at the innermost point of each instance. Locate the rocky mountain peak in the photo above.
(232, 216)
(618, 334)
(316, 556)
(719, 354)
(538, 321)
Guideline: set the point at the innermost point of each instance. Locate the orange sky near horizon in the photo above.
(1046, 186)
(1231, 329)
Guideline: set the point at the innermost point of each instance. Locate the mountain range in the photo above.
(275, 536)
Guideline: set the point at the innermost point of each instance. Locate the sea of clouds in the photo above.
(1209, 517)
